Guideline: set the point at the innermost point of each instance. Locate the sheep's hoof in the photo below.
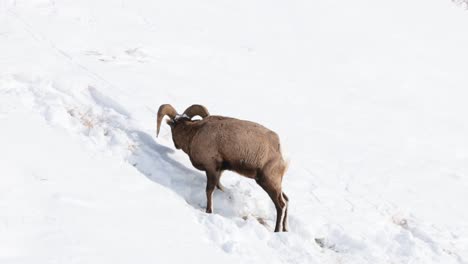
(209, 211)
(220, 187)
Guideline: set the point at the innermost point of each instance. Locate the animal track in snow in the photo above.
(130, 55)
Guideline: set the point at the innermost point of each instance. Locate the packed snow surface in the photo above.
(369, 98)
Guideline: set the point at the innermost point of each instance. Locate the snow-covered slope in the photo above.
(369, 99)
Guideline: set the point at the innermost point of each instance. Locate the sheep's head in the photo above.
(179, 123)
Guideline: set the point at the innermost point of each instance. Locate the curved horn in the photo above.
(165, 109)
(196, 109)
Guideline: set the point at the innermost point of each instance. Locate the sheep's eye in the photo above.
(170, 123)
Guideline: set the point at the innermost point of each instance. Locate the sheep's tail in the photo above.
(285, 166)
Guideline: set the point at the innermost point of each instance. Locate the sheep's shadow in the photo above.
(162, 151)
(155, 162)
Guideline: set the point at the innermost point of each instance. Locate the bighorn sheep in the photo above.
(217, 143)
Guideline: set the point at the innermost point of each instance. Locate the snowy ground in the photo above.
(369, 99)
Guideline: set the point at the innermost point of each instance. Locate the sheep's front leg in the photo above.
(211, 183)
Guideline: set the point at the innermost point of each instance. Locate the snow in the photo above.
(369, 99)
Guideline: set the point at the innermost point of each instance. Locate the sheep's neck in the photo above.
(186, 134)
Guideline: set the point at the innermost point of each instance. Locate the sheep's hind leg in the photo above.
(277, 198)
(280, 212)
(211, 182)
(285, 217)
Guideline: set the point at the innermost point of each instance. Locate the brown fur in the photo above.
(218, 143)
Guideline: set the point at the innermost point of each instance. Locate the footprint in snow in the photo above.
(128, 55)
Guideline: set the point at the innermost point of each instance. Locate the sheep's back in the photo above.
(239, 142)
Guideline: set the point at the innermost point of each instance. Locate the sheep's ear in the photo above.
(170, 122)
